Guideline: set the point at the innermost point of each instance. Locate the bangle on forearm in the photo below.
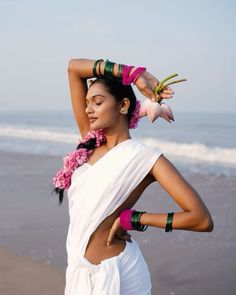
(120, 72)
(95, 67)
(99, 68)
(128, 78)
(169, 220)
(124, 75)
(130, 220)
(135, 221)
(108, 70)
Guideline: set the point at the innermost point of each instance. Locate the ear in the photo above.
(125, 102)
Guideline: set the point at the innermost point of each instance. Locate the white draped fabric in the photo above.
(96, 191)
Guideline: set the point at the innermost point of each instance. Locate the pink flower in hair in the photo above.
(135, 116)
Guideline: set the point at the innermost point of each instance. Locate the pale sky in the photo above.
(195, 39)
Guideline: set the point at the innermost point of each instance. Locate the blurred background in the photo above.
(37, 127)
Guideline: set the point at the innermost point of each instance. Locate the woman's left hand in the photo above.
(118, 232)
(146, 83)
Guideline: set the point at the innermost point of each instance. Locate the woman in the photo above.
(102, 259)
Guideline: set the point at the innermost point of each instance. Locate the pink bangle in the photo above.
(125, 219)
(141, 70)
(127, 79)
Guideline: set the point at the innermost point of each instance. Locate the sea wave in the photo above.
(185, 150)
(39, 134)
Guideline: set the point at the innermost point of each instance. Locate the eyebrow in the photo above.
(94, 96)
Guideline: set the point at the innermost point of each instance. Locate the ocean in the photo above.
(194, 142)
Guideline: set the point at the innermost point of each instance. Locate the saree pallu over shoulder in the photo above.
(96, 191)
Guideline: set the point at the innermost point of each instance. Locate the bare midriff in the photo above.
(97, 248)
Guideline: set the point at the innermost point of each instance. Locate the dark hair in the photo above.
(119, 91)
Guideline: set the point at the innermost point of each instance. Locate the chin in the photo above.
(94, 127)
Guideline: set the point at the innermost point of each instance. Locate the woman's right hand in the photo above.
(146, 83)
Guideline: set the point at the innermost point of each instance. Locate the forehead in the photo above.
(95, 91)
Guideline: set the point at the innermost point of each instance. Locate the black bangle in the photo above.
(169, 222)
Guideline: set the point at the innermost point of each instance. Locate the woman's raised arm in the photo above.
(79, 70)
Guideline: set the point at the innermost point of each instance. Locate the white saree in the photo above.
(96, 191)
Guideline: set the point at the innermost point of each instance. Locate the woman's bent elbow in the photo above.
(70, 65)
(208, 224)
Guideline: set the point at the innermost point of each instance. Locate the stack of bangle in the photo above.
(130, 220)
(135, 221)
(123, 75)
(95, 68)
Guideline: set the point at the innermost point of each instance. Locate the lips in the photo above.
(92, 119)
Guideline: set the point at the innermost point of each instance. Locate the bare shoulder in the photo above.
(163, 168)
(170, 178)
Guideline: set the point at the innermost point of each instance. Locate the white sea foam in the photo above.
(195, 151)
(37, 134)
(192, 151)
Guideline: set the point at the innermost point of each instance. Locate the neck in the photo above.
(114, 139)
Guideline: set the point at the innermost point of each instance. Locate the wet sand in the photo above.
(22, 275)
(33, 232)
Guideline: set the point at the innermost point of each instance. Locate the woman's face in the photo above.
(102, 106)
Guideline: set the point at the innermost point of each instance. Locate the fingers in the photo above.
(167, 93)
(125, 236)
(168, 90)
(112, 233)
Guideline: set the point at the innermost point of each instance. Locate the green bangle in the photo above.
(120, 72)
(135, 221)
(95, 67)
(99, 69)
(108, 68)
(169, 222)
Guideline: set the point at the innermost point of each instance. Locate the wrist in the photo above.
(123, 73)
(130, 220)
(144, 218)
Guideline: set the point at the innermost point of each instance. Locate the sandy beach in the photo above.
(33, 230)
(22, 275)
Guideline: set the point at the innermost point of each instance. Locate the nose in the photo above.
(88, 109)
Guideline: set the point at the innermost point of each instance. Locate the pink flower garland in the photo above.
(74, 159)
